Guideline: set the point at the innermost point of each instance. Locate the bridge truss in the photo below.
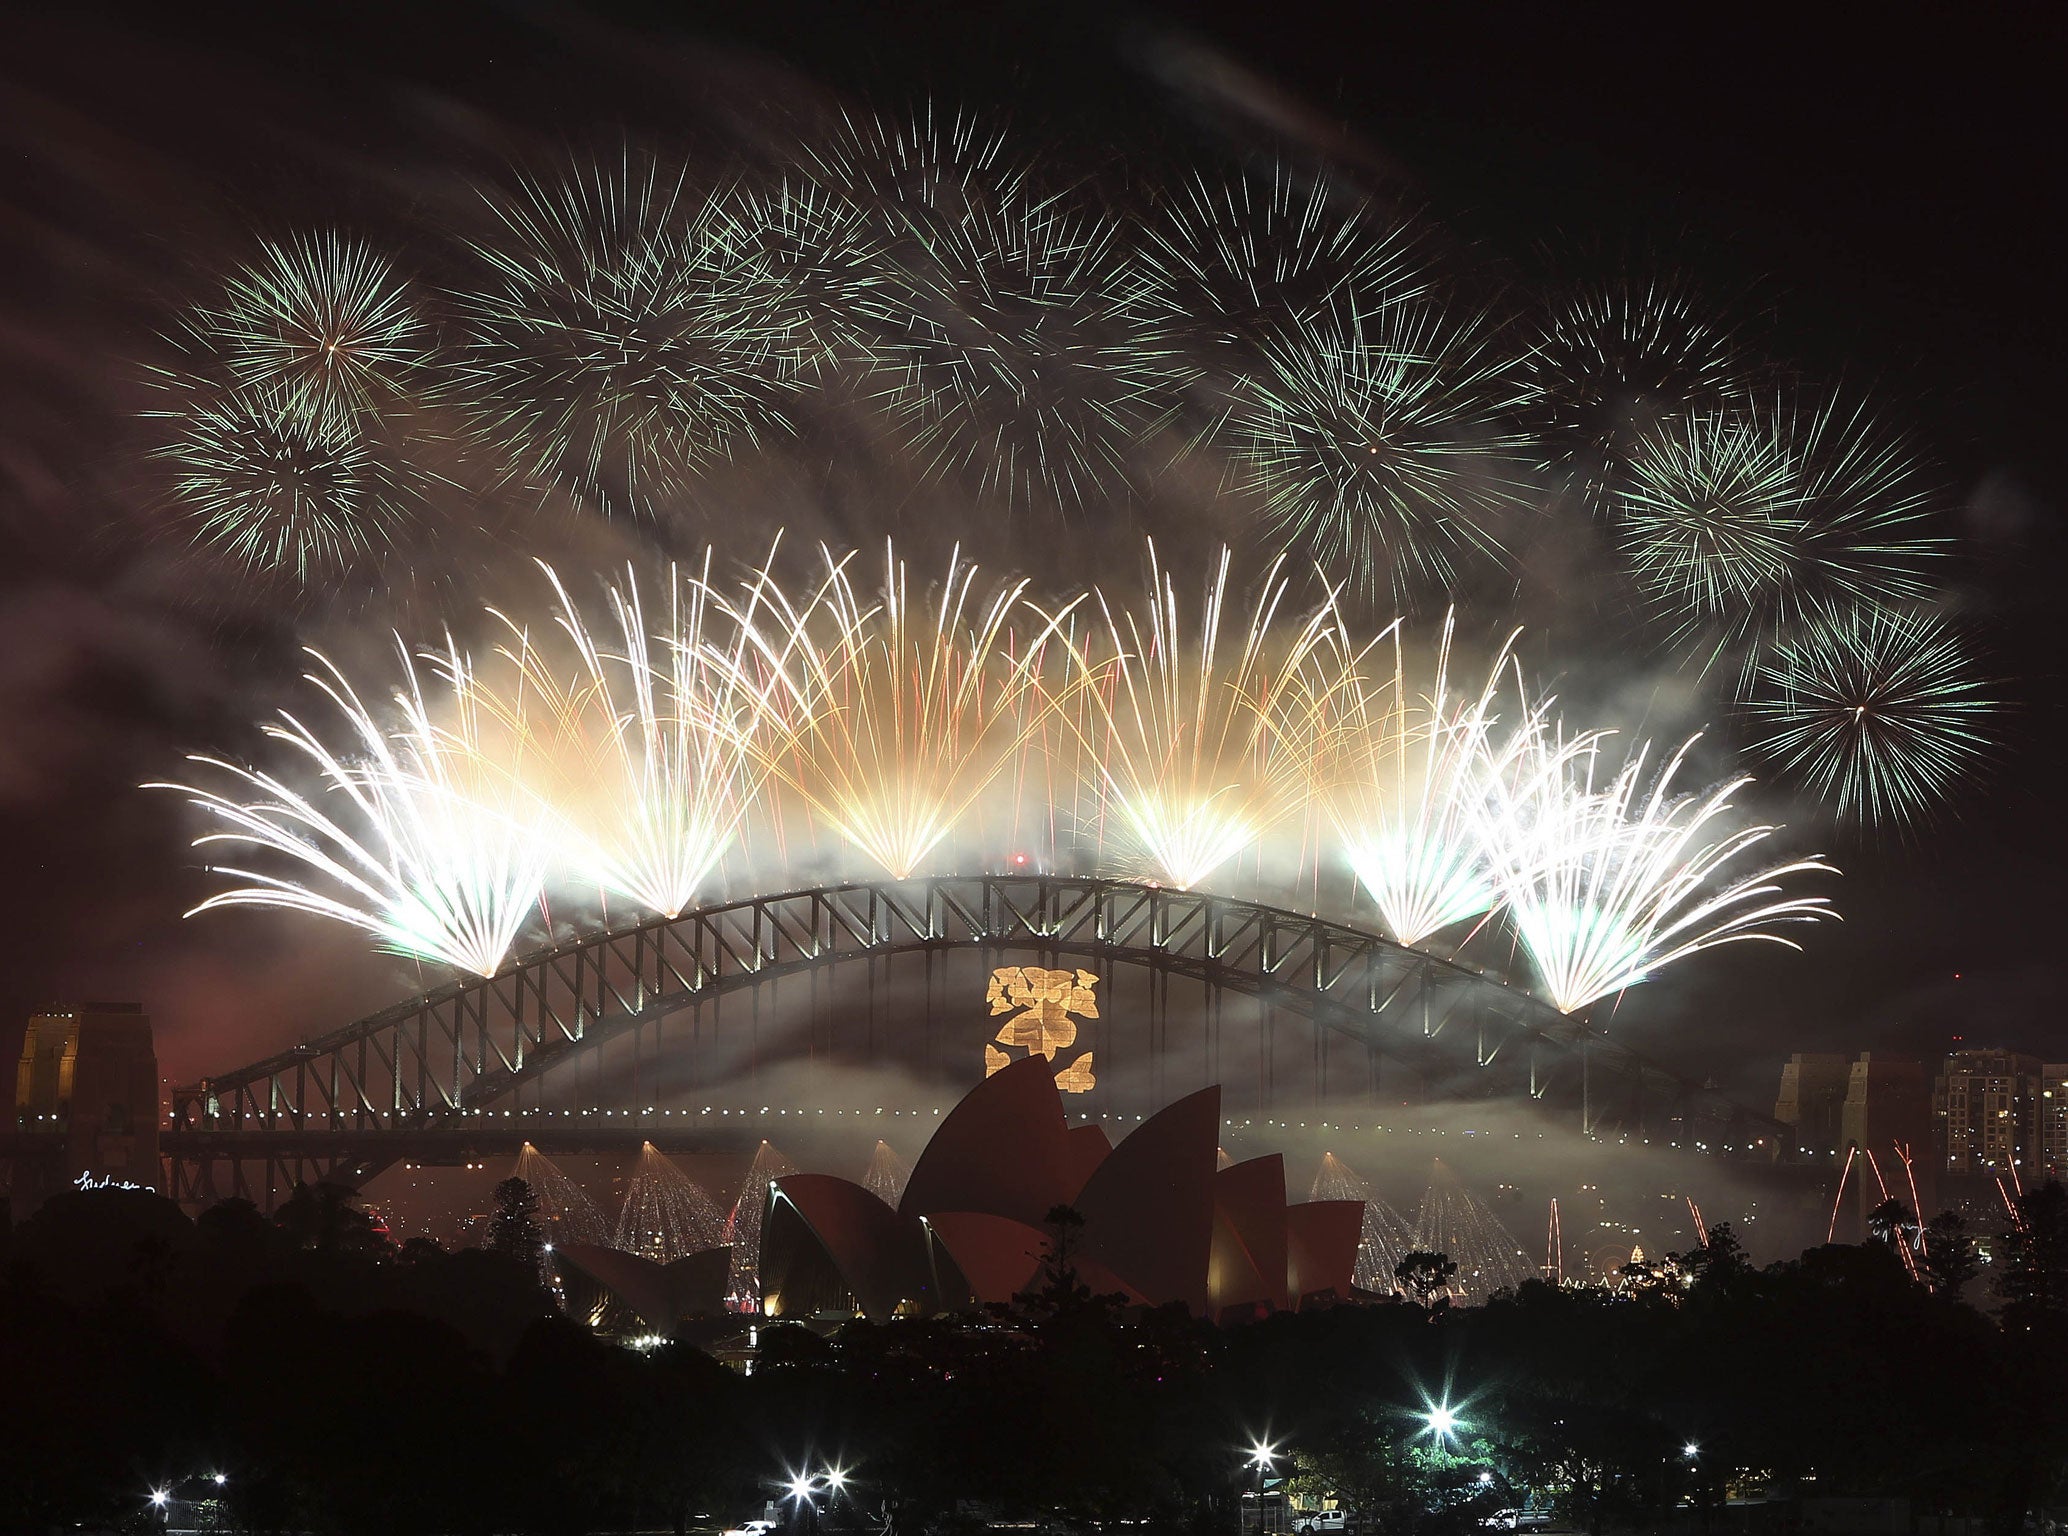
(464, 1069)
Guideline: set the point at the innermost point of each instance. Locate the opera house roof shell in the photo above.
(1161, 1224)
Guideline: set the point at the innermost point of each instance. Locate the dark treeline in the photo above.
(340, 1383)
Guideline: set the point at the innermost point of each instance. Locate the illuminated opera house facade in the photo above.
(1162, 1221)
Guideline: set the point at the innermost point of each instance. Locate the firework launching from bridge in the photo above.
(888, 718)
(1409, 795)
(891, 718)
(1203, 740)
(643, 758)
(1607, 886)
(418, 833)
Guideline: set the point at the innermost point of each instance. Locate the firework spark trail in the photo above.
(645, 761)
(1199, 754)
(428, 845)
(1408, 800)
(666, 1215)
(893, 726)
(1379, 445)
(1879, 712)
(1838, 1199)
(1605, 888)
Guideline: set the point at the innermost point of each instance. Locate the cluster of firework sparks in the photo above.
(612, 330)
(629, 757)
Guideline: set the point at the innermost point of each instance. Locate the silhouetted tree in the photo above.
(1891, 1222)
(513, 1227)
(2034, 1278)
(1949, 1260)
(1422, 1274)
(324, 1218)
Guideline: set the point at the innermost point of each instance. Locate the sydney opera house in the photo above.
(1162, 1221)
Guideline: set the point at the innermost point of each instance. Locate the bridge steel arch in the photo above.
(423, 1072)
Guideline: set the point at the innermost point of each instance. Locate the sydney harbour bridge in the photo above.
(711, 1030)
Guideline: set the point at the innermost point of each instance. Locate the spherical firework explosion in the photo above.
(1735, 522)
(609, 348)
(1880, 712)
(276, 480)
(1033, 364)
(323, 316)
(916, 294)
(1376, 444)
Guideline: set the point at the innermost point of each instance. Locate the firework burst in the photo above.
(1239, 258)
(1611, 360)
(1200, 752)
(1376, 445)
(890, 719)
(1031, 361)
(323, 316)
(611, 348)
(1606, 887)
(275, 480)
(643, 755)
(1877, 711)
(416, 834)
(1409, 794)
(1735, 522)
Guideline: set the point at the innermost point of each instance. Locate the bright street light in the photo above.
(160, 1498)
(1441, 1421)
(1690, 1450)
(1262, 1454)
(218, 1478)
(836, 1479)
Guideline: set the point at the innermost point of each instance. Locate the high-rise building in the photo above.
(1888, 1117)
(1990, 1111)
(91, 1073)
(2050, 1153)
(1812, 1099)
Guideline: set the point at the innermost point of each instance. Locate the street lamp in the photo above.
(1441, 1422)
(1691, 1450)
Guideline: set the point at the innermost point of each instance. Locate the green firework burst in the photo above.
(1736, 523)
(277, 480)
(1610, 361)
(1879, 712)
(610, 348)
(1239, 257)
(323, 315)
(1030, 358)
(1379, 446)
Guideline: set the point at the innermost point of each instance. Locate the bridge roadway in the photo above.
(451, 1069)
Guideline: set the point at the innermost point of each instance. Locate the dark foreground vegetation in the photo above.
(341, 1384)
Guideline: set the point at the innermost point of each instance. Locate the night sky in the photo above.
(1881, 201)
